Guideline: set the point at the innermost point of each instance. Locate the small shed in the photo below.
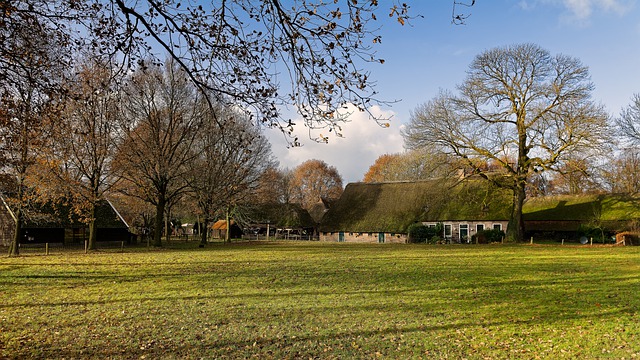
(220, 229)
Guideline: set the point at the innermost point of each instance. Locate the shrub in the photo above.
(591, 232)
(488, 236)
(419, 233)
(436, 240)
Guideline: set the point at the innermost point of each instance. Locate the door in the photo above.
(447, 233)
(381, 238)
(464, 233)
(341, 236)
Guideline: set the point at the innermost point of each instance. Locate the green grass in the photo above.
(318, 300)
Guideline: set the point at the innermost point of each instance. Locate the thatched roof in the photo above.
(567, 212)
(393, 206)
(608, 207)
(60, 215)
(318, 210)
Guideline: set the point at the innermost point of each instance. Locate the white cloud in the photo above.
(362, 143)
(581, 11)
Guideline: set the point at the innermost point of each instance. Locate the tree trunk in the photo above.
(167, 227)
(515, 229)
(92, 229)
(157, 234)
(203, 233)
(227, 235)
(14, 248)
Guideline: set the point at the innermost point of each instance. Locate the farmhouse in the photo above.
(58, 224)
(382, 212)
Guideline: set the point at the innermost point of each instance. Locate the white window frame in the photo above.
(450, 235)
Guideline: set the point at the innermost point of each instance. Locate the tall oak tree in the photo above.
(519, 107)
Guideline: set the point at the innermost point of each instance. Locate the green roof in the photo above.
(604, 207)
(393, 206)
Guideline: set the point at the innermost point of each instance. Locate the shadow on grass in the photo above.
(285, 345)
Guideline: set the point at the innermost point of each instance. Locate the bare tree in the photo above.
(161, 120)
(575, 176)
(227, 164)
(273, 187)
(517, 102)
(76, 163)
(622, 172)
(31, 65)
(629, 120)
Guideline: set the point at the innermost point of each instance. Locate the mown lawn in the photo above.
(318, 300)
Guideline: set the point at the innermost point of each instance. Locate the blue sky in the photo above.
(432, 54)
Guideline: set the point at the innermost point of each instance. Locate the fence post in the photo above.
(590, 241)
(562, 241)
(86, 246)
(532, 240)
(46, 248)
(122, 246)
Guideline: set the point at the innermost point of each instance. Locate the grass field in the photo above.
(324, 300)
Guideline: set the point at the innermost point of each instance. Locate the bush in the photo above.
(419, 233)
(597, 233)
(488, 236)
(436, 240)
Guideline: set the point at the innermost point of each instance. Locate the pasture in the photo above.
(323, 300)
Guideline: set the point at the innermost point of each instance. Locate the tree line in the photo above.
(152, 142)
(173, 85)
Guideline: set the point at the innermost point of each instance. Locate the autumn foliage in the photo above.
(314, 180)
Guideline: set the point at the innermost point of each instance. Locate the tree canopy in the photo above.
(255, 55)
(314, 180)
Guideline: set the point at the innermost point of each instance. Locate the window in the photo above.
(497, 227)
(447, 231)
(479, 227)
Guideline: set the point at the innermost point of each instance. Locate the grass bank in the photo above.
(317, 300)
